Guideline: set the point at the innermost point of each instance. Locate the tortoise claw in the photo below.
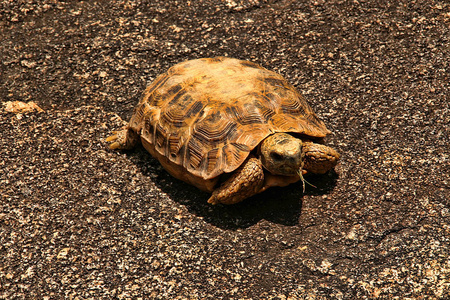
(114, 146)
(124, 139)
(213, 200)
(112, 138)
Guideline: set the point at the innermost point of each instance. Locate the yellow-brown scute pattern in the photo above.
(208, 114)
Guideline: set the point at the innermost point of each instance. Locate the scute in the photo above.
(214, 129)
(206, 115)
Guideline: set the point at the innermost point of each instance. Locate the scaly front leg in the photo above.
(245, 182)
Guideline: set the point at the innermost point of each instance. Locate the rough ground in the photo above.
(79, 221)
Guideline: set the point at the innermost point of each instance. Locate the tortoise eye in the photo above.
(276, 156)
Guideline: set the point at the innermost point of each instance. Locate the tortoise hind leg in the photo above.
(127, 138)
(245, 182)
(124, 139)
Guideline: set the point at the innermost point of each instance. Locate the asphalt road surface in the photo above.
(80, 221)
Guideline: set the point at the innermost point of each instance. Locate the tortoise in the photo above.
(229, 127)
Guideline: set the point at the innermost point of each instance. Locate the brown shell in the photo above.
(206, 115)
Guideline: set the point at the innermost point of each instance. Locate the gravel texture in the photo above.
(79, 221)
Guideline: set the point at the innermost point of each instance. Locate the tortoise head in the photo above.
(284, 154)
(281, 154)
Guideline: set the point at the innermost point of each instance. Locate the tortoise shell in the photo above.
(203, 117)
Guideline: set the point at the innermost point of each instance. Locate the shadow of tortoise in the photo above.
(278, 205)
